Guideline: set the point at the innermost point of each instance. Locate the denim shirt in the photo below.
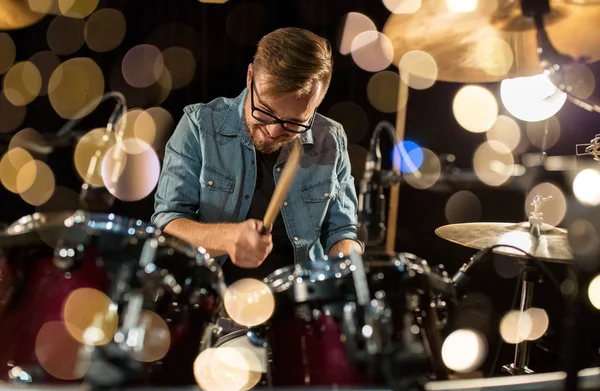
(209, 175)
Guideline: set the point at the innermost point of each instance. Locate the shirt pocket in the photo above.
(317, 197)
(215, 189)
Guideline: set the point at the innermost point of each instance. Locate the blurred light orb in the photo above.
(586, 187)
(506, 131)
(462, 6)
(249, 302)
(402, 6)
(532, 98)
(418, 69)
(475, 108)
(372, 51)
(464, 350)
(354, 23)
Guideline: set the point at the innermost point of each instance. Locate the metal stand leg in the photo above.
(519, 366)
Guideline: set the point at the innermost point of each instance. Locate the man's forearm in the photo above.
(346, 247)
(215, 238)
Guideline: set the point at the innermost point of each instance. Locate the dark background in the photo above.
(223, 47)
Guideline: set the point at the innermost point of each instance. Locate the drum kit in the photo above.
(114, 302)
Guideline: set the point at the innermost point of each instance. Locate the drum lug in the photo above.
(65, 256)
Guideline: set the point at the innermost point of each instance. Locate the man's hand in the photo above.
(249, 247)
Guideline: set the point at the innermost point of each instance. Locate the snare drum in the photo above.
(161, 292)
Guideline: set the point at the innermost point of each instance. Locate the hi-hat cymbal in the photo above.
(552, 245)
(466, 45)
(16, 14)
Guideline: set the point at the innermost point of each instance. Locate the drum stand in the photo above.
(530, 276)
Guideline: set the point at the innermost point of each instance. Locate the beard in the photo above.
(268, 146)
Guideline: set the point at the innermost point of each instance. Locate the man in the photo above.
(225, 157)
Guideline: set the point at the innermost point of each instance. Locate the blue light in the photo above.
(407, 156)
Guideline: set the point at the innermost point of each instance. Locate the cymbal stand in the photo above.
(530, 275)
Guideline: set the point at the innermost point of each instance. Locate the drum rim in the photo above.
(325, 269)
(105, 222)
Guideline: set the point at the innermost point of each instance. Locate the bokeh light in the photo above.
(157, 338)
(407, 156)
(402, 6)
(383, 92)
(475, 108)
(585, 244)
(77, 8)
(63, 199)
(249, 302)
(10, 165)
(58, 353)
(89, 155)
(579, 80)
(594, 292)
(544, 134)
(226, 369)
(506, 131)
(35, 182)
(130, 177)
(105, 29)
(153, 95)
(553, 209)
(46, 62)
(142, 65)
(22, 83)
(494, 56)
(462, 207)
(8, 50)
(181, 64)
(428, 173)
(539, 323)
(154, 125)
(65, 35)
(90, 316)
(352, 117)
(372, 51)
(532, 98)
(464, 350)
(516, 327)
(493, 163)
(418, 69)
(76, 88)
(353, 24)
(586, 187)
(12, 116)
(462, 6)
(30, 140)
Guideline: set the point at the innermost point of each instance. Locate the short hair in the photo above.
(293, 60)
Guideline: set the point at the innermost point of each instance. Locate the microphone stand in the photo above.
(552, 62)
(98, 198)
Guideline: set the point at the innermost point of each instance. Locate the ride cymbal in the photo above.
(552, 244)
(16, 14)
(472, 47)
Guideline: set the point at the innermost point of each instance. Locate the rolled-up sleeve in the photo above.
(177, 195)
(341, 219)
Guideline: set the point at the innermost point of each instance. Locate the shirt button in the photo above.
(210, 183)
(246, 196)
(295, 238)
(278, 169)
(326, 195)
(285, 203)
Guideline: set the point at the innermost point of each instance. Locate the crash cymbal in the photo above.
(16, 14)
(466, 45)
(552, 245)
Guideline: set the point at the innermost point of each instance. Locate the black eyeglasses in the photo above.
(269, 119)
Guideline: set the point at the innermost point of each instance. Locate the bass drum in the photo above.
(101, 298)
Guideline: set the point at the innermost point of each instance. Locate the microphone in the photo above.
(371, 200)
(462, 275)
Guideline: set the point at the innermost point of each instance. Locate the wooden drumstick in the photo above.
(283, 185)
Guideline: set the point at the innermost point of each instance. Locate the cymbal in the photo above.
(552, 245)
(467, 48)
(16, 14)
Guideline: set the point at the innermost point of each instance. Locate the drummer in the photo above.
(223, 161)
